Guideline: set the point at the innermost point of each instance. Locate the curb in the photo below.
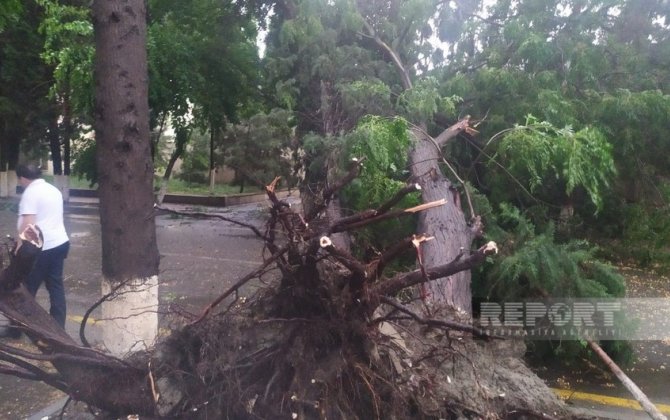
(91, 196)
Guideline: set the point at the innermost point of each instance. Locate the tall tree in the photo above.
(125, 170)
(69, 50)
(203, 63)
(24, 83)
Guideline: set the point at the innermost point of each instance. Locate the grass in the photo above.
(177, 186)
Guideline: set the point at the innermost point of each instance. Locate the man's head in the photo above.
(27, 173)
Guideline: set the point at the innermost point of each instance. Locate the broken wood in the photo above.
(635, 391)
(79, 371)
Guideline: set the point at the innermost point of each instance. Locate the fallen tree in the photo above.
(335, 337)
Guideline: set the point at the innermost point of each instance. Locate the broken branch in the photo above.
(402, 281)
(407, 189)
(337, 227)
(648, 406)
(344, 257)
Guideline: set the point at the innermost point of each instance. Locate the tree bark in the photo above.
(125, 175)
(125, 168)
(67, 133)
(445, 223)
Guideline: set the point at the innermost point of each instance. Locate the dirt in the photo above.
(491, 379)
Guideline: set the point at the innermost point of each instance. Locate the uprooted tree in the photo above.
(333, 337)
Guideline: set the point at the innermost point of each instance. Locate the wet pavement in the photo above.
(650, 369)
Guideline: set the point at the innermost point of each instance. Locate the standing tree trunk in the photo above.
(212, 169)
(130, 254)
(67, 139)
(182, 135)
(54, 144)
(60, 157)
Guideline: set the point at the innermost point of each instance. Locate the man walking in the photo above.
(42, 205)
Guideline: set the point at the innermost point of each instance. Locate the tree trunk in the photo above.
(54, 143)
(445, 223)
(9, 156)
(67, 133)
(60, 157)
(67, 142)
(125, 169)
(182, 136)
(212, 169)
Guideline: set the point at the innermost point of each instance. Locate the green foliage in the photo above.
(365, 96)
(84, 161)
(261, 147)
(601, 65)
(384, 144)
(195, 165)
(337, 74)
(638, 235)
(24, 82)
(318, 150)
(423, 101)
(637, 124)
(69, 48)
(533, 264)
(9, 11)
(542, 156)
(203, 65)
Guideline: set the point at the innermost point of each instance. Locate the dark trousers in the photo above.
(48, 268)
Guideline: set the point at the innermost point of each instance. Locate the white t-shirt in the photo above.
(46, 202)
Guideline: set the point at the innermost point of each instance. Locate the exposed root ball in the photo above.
(249, 364)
